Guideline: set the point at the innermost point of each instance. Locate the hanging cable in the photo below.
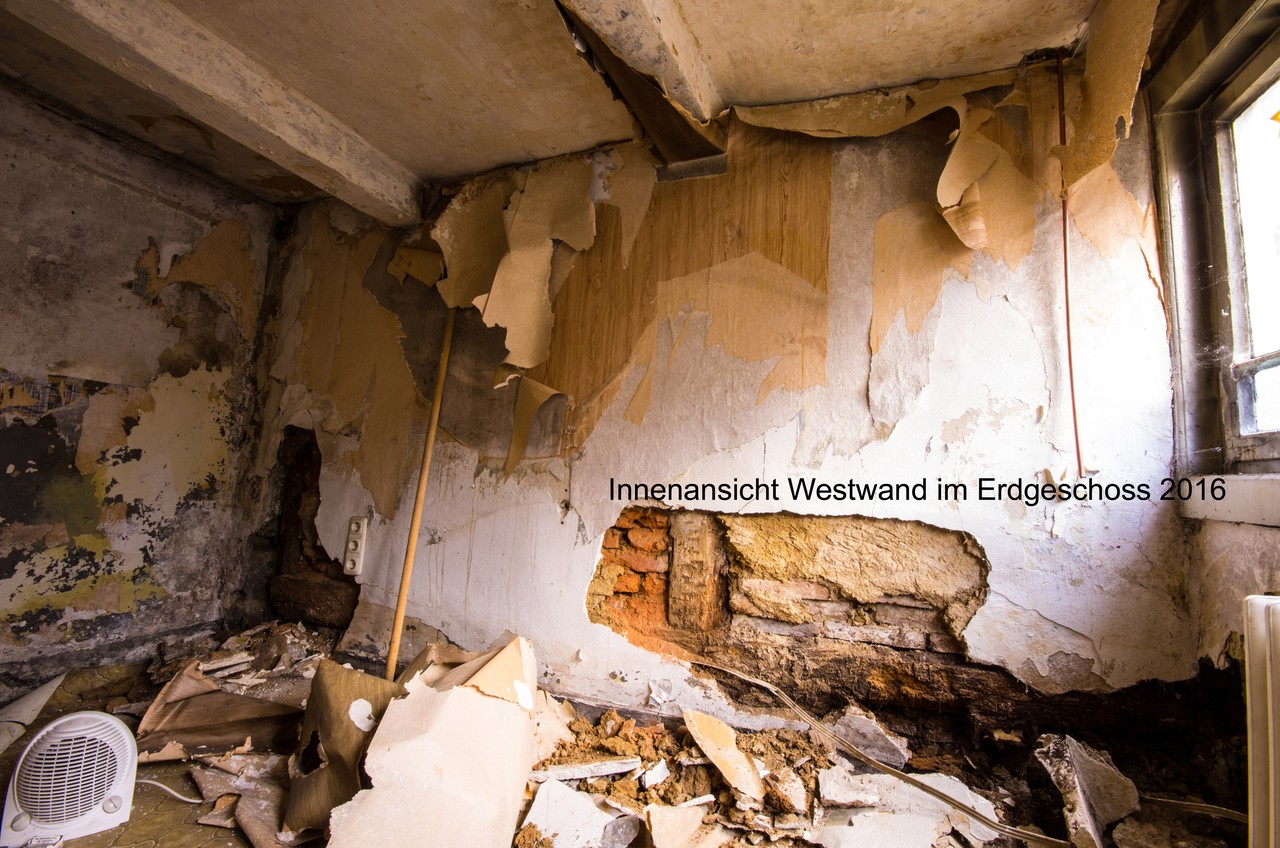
(1066, 270)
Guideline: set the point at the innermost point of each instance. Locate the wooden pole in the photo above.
(406, 573)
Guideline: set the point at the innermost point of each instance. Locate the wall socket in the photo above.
(357, 538)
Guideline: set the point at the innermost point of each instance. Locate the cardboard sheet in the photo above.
(1119, 33)
(969, 158)
(984, 195)
(448, 767)
(195, 712)
(257, 781)
(1006, 200)
(870, 113)
(341, 714)
(550, 724)
(437, 658)
(913, 248)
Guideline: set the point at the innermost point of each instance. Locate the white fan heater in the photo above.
(75, 778)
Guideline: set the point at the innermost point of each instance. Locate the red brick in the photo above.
(653, 584)
(642, 561)
(639, 516)
(612, 539)
(628, 583)
(648, 539)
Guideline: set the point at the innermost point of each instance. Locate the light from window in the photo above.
(1256, 139)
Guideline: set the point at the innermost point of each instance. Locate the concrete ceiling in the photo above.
(781, 51)
(367, 101)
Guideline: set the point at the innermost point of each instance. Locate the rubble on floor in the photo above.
(288, 747)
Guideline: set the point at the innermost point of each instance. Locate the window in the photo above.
(1216, 111)
(1255, 139)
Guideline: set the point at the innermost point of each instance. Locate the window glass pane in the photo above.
(1256, 134)
(1266, 399)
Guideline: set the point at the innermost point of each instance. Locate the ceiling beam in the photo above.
(154, 45)
(652, 38)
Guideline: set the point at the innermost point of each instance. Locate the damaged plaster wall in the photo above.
(706, 374)
(1231, 561)
(131, 298)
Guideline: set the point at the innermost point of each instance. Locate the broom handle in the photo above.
(406, 574)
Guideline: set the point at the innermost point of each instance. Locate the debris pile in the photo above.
(289, 747)
(702, 783)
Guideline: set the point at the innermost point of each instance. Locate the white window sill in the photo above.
(1249, 499)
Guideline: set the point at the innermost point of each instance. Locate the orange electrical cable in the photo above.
(1066, 272)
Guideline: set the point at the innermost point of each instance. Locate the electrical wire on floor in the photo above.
(1196, 807)
(160, 785)
(853, 751)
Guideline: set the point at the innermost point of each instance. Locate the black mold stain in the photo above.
(208, 333)
(34, 620)
(44, 486)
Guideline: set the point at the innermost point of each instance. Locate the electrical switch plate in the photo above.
(357, 537)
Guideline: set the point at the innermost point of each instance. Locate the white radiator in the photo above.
(1262, 702)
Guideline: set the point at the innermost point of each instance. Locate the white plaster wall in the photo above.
(1088, 596)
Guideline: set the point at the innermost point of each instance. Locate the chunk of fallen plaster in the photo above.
(582, 771)
(682, 827)
(571, 819)
(786, 790)
(837, 787)
(657, 774)
(448, 767)
(1094, 792)
(550, 724)
(905, 816)
(860, 727)
(720, 743)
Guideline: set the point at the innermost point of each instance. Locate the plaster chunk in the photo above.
(838, 788)
(1094, 792)
(569, 819)
(860, 727)
(905, 816)
(786, 790)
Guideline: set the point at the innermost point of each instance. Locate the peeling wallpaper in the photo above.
(811, 313)
(969, 382)
(131, 295)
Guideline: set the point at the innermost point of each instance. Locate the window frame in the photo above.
(1226, 61)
